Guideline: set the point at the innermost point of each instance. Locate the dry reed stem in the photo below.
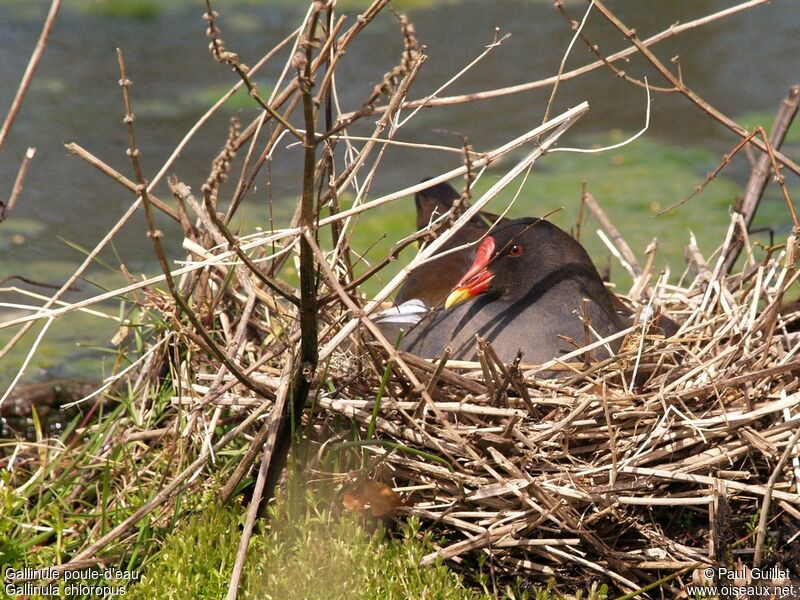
(693, 97)
(68, 285)
(630, 262)
(671, 31)
(273, 426)
(760, 171)
(30, 70)
(6, 208)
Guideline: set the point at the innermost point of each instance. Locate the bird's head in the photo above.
(515, 257)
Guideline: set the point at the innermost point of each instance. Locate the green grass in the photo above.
(308, 552)
(58, 489)
(305, 555)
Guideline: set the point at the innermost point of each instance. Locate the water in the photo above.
(743, 64)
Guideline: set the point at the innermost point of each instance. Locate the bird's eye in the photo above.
(515, 250)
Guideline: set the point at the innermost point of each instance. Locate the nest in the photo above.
(654, 463)
(673, 455)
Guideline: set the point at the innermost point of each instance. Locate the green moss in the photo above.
(196, 559)
(142, 10)
(336, 559)
(241, 100)
(765, 119)
(305, 555)
(308, 552)
(18, 231)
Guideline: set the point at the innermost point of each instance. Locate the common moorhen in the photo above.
(526, 287)
(432, 281)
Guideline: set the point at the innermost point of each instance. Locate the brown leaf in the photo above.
(376, 496)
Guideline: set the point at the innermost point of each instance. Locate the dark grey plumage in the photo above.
(533, 302)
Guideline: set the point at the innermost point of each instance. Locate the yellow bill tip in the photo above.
(457, 296)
